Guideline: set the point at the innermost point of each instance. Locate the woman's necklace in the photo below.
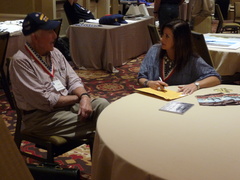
(168, 65)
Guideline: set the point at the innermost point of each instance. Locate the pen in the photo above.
(160, 79)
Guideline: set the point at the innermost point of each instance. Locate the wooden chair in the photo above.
(223, 26)
(54, 145)
(201, 47)
(154, 34)
(4, 82)
(237, 12)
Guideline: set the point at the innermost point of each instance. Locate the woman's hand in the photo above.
(157, 85)
(187, 89)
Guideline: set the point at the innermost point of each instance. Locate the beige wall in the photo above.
(16, 6)
(47, 6)
(16, 9)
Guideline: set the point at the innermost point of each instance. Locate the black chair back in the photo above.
(4, 37)
(58, 29)
(201, 47)
(220, 18)
(154, 34)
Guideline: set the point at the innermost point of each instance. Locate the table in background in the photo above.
(16, 39)
(150, 10)
(15, 43)
(105, 47)
(225, 61)
(137, 141)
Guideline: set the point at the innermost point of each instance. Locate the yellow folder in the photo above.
(166, 93)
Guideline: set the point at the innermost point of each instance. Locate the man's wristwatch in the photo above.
(197, 84)
(86, 94)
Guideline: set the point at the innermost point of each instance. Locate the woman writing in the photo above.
(175, 63)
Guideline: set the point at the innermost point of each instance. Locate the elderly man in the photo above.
(47, 89)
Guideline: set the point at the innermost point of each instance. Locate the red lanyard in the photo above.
(48, 69)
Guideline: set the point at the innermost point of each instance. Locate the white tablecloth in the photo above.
(105, 47)
(226, 61)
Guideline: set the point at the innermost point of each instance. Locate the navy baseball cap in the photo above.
(109, 20)
(35, 21)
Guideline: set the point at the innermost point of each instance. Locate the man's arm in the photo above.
(80, 96)
(156, 7)
(66, 101)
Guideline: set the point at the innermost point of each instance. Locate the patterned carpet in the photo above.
(98, 83)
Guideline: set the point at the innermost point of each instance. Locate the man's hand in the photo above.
(85, 107)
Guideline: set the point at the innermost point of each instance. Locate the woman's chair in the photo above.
(154, 34)
(4, 82)
(223, 26)
(201, 47)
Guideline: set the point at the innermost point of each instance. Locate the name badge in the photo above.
(57, 84)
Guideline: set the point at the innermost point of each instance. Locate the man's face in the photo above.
(44, 41)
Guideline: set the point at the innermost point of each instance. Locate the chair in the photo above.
(54, 145)
(58, 29)
(222, 26)
(237, 12)
(154, 34)
(4, 82)
(201, 47)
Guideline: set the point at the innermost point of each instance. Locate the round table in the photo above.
(135, 140)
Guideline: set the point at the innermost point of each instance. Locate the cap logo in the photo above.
(43, 18)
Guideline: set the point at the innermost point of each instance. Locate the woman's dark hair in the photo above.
(182, 42)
